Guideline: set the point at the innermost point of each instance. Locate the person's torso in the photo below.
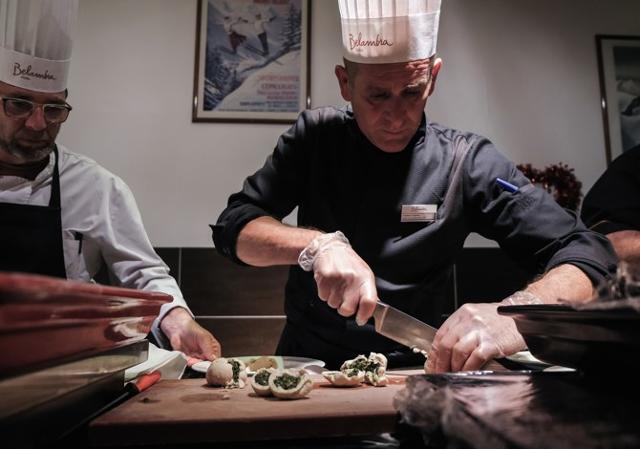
(356, 188)
(84, 196)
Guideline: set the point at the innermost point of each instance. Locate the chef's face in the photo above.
(30, 138)
(388, 100)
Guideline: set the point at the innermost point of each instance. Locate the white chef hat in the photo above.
(385, 31)
(35, 43)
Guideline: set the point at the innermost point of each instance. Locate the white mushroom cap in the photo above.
(220, 373)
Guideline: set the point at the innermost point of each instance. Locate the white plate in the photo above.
(300, 362)
(288, 362)
(201, 366)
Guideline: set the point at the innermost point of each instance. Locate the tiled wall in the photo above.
(243, 306)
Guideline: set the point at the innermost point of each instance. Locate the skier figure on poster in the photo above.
(235, 38)
(261, 31)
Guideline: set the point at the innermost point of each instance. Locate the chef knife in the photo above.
(403, 328)
(411, 332)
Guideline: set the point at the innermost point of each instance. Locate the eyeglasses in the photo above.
(21, 108)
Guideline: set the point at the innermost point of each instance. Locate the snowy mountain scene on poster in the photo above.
(253, 57)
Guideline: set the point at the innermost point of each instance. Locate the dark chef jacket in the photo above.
(613, 203)
(326, 167)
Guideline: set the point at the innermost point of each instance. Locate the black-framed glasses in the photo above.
(21, 108)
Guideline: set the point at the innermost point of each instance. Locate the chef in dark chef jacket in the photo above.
(386, 199)
(61, 214)
(612, 206)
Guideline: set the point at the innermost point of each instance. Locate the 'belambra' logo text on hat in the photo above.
(28, 73)
(359, 42)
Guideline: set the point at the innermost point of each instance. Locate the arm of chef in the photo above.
(133, 263)
(250, 230)
(538, 235)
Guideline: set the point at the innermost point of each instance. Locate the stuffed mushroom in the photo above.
(229, 373)
(260, 381)
(360, 363)
(373, 368)
(290, 384)
(349, 378)
(262, 362)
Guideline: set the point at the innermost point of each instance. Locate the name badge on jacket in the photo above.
(412, 213)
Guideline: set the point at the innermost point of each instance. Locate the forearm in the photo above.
(565, 282)
(626, 244)
(266, 241)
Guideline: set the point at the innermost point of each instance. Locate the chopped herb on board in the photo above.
(262, 378)
(360, 364)
(287, 381)
(235, 367)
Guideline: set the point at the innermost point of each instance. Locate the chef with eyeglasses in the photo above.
(62, 214)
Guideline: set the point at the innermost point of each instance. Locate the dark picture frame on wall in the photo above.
(619, 71)
(252, 61)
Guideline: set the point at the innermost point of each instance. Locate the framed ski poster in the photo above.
(252, 61)
(619, 70)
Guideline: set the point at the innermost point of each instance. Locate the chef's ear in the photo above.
(343, 81)
(437, 65)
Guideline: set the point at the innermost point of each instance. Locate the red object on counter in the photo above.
(145, 381)
(45, 320)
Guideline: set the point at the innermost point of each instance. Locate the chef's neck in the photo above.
(27, 170)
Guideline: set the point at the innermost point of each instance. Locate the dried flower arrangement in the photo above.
(557, 179)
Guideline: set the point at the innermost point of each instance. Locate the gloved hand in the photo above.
(475, 334)
(344, 280)
(187, 336)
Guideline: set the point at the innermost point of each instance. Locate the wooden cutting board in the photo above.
(188, 411)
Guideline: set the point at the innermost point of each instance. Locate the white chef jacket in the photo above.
(100, 206)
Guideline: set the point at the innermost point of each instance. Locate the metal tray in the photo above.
(591, 340)
(45, 321)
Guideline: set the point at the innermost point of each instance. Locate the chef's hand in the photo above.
(187, 336)
(344, 280)
(471, 337)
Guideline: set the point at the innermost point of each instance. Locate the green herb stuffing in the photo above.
(352, 373)
(372, 367)
(235, 366)
(359, 364)
(262, 378)
(287, 381)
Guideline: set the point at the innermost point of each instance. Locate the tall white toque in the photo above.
(385, 31)
(36, 37)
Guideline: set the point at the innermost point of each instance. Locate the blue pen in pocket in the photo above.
(507, 185)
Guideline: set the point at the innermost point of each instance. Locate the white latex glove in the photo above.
(345, 282)
(475, 334)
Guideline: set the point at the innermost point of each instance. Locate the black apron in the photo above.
(31, 236)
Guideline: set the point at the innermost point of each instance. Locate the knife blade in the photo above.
(403, 328)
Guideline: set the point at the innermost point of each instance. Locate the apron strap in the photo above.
(54, 200)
